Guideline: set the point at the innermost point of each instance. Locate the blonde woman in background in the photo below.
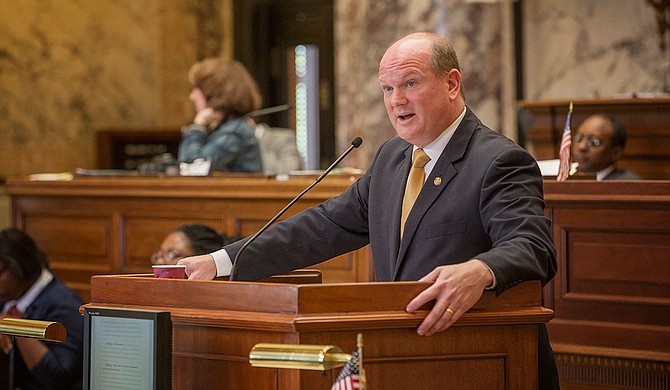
(223, 92)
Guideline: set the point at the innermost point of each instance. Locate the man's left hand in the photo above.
(455, 289)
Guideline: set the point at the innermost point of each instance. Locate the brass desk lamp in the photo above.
(19, 327)
(299, 356)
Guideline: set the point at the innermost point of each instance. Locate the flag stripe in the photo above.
(564, 155)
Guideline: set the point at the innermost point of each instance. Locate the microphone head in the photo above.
(357, 142)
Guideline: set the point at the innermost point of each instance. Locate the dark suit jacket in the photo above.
(483, 199)
(622, 174)
(61, 368)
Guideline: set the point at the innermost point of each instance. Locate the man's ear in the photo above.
(454, 84)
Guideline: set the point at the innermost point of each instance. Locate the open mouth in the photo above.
(405, 117)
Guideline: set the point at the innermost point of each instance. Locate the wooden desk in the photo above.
(646, 120)
(111, 225)
(215, 325)
(611, 295)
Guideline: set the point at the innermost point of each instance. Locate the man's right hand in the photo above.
(199, 267)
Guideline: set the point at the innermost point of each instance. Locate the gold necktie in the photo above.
(414, 184)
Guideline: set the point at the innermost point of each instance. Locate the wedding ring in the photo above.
(450, 311)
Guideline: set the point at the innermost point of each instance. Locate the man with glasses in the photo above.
(598, 145)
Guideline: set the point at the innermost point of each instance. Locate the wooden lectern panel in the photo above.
(216, 324)
(611, 294)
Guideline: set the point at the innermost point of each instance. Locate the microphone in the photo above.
(268, 110)
(354, 144)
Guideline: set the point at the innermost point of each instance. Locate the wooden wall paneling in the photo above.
(611, 295)
(143, 234)
(73, 261)
(128, 217)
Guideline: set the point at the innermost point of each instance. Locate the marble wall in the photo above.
(572, 49)
(69, 68)
(593, 49)
(363, 30)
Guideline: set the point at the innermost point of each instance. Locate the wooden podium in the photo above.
(216, 324)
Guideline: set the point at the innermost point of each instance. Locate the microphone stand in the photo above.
(10, 380)
(354, 144)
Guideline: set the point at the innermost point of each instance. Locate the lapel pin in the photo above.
(437, 181)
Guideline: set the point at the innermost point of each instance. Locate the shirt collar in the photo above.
(435, 148)
(27, 299)
(602, 174)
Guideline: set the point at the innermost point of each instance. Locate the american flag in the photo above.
(564, 150)
(352, 376)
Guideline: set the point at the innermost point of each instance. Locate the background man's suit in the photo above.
(622, 174)
(61, 367)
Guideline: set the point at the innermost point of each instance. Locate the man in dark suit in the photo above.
(598, 145)
(478, 222)
(29, 290)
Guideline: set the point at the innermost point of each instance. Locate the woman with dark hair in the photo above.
(29, 290)
(189, 240)
(223, 92)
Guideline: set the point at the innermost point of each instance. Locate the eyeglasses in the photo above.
(169, 256)
(590, 141)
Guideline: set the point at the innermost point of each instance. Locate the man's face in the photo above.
(417, 101)
(592, 145)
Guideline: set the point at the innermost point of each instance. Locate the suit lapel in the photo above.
(438, 180)
(396, 196)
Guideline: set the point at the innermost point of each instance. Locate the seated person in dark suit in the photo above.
(29, 290)
(598, 145)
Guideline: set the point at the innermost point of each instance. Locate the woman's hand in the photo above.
(205, 115)
(208, 117)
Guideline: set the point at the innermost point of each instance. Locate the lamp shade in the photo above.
(304, 357)
(43, 330)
